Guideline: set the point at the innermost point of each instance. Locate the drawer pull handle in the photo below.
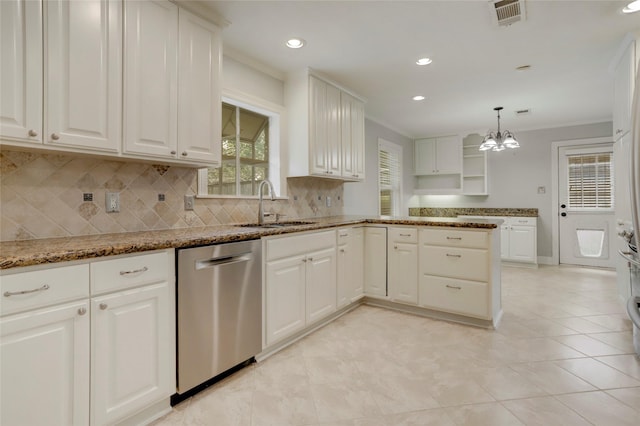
(405, 235)
(344, 235)
(17, 293)
(454, 255)
(454, 287)
(135, 271)
(454, 238)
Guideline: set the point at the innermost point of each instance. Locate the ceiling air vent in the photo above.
(506, 12)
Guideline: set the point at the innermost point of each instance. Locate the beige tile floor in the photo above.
(563, 355)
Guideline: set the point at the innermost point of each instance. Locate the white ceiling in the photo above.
(371, 47)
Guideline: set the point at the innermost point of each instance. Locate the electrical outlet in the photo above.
(112, 202)
(87, 196)
(189, 200)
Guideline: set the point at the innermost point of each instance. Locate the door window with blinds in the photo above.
(590, 181)
(389, 178)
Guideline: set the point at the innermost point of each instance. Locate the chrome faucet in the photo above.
(261, 213)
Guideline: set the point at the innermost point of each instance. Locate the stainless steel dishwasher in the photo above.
(219, 310)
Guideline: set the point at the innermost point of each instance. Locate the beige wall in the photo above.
(41, 196)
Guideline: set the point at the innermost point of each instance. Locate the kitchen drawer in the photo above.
(44, 288)
(524, 221)
(454, 238)
(403, 235)
(280, 247)
(455, 296)
(453, 262)
(128, 272)
(344, 235)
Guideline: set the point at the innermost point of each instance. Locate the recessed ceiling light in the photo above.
(426, 61)
(632, 7)
(418, 98)
(295, 43)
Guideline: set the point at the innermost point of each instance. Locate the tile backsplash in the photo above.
(42, 196)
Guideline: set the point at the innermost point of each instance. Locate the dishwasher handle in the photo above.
(223, 260)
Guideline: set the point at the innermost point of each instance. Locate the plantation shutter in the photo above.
(590, 181)
(389, 180)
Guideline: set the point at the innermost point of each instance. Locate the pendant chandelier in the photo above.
(499, 141)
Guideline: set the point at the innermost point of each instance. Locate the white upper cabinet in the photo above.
(326, 129)
(442, 155)
(81, 107)
(352, 126)
(171, 84)
(199, 103)
(21, 70)
(625, 72)
(151, 78)
(83, 74)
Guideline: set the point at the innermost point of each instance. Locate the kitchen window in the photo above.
(389, 178)
(249, 153)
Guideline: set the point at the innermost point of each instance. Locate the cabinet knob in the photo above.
(173, 152)
(55, 136)
(618, 131)
(184, 153)
(33, 133)
(103, 306)
(395, 247)
(563, 214)
(341, 250)
(82, 311)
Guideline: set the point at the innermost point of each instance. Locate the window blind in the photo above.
(590, 181)
(389, 181)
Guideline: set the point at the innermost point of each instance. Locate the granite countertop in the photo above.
(472, 211)
(36, 252)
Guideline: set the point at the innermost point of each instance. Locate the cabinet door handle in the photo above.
(173, 152)
(310, 259)
(33, 133)
(17, 293)
(454, 287)
(55, 136)
(82, 311)
(103, 306)
(453, 255)
(405, 235)
(184, 153)
(454, 238)
(135, 271)
(341, 250)
(395, 247)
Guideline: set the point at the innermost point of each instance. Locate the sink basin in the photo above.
(277, 224)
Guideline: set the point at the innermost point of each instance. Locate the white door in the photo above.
(285, 298)
(321, 284)
(83, 72)
(375, 261)
(131, 360)
(44, 357)
(151, 78)
(21, 70)
(403, 272)
(585, 193)
(356, 263)
(199, 101)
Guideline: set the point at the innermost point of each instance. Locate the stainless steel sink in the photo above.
(276, 224)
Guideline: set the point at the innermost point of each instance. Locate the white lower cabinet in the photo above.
(519, 235)
(68, 359)
(131, 352)
(375, 261)
(300, 282)
(45, 366)
(457, 273)
(403, 265)
(350, 265)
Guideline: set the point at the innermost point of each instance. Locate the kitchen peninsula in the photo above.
(106, 291)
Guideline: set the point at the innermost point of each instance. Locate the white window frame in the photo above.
(384, 145)
(276, 145)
